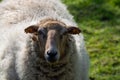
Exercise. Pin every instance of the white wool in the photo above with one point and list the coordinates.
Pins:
(15, 16)
(14, 11)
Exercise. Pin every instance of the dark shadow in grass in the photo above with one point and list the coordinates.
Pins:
(95, 10)
(91, 78)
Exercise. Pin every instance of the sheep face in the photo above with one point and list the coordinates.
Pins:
(52, 38)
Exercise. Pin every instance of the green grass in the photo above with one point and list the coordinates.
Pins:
(100, 23)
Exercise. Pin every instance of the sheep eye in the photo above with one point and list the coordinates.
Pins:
(42, 33)
(62, 36)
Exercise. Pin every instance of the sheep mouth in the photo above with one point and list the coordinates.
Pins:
(51, 59)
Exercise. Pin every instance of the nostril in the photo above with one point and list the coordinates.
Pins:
(51, 53)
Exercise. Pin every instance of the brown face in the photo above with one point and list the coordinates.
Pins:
(52, 38)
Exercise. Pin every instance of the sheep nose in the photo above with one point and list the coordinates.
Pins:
(51, 53)
(52, 56)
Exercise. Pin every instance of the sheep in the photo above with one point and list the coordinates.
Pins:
(40, 41)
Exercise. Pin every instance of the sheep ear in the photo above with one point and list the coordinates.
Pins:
(73, 30)
(31, 29)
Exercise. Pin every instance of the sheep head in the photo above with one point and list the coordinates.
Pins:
(52, 37)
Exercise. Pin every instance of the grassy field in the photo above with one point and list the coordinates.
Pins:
(100, 23)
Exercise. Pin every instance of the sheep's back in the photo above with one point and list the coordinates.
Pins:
(15, 11)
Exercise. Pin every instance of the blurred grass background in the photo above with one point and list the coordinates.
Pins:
(99, 21)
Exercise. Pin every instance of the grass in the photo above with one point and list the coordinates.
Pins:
(100, 23)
